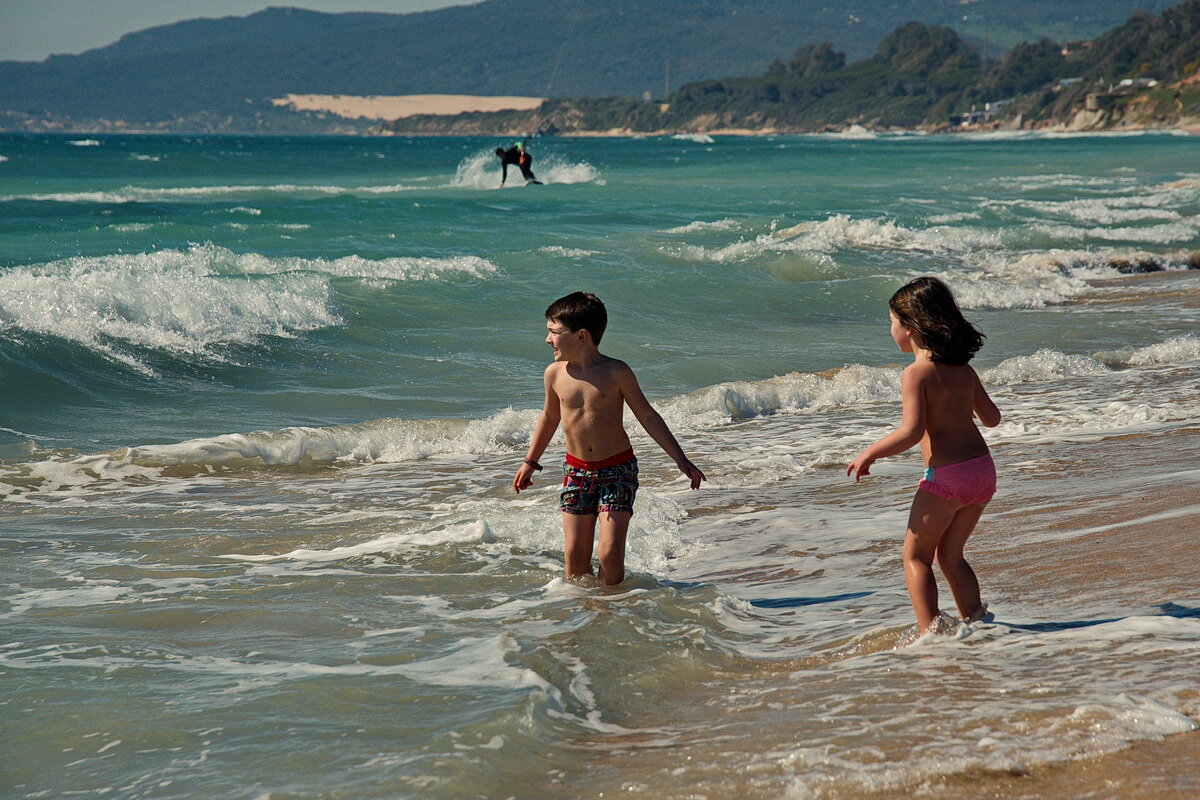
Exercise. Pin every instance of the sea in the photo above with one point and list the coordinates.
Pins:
(262, 400)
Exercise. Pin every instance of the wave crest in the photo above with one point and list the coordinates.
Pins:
(189, 301)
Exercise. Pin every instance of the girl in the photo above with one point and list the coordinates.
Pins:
(941, 395)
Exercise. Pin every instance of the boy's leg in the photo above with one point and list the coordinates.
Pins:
(579, 534)
(959, 575)
(614, 526)
(928, 520)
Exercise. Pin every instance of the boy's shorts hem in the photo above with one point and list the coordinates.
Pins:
(585, 512)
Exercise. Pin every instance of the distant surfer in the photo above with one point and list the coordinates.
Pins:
(518, 155)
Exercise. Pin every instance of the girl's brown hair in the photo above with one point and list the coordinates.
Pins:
(926, 305)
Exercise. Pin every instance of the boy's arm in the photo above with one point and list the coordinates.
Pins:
(543, 432)
(985, 410)
(912, 427)
(655, 425)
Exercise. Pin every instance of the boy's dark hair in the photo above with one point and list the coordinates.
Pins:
(926, 305)
(580, 311)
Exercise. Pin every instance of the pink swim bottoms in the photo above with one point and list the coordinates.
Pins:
(968, 482)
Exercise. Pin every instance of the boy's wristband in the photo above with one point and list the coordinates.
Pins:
(532, 463)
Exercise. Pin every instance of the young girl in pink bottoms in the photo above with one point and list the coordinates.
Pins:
(942, 398)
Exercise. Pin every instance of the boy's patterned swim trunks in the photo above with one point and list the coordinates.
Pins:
(590, 487)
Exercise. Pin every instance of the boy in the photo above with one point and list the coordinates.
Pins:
(586, 391)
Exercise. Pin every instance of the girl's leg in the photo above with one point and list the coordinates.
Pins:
(928, 520)
(579, 533)
(959, 575)
(614, 525)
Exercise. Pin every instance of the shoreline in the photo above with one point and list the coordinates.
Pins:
(748, 133)
(450, 116)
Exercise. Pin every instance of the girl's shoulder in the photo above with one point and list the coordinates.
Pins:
(927, 370)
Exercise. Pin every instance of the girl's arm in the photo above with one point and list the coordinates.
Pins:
(543, 432)
(656, 426)
(985, 410)
(912, 427)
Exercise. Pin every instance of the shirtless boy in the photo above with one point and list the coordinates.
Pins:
(586, 392)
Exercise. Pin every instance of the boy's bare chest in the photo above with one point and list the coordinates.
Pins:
(584, 394)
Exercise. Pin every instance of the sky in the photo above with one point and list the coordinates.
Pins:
(30, 30)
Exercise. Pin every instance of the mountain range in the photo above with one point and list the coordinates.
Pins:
(221, 74)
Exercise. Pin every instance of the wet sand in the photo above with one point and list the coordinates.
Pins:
(1164, 770)
(1132, 505)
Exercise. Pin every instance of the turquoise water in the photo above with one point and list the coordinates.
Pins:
(263, 397)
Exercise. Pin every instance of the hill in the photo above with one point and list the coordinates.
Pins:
(221, 74)
(920, 76)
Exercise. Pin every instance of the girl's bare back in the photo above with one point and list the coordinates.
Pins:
(952, 397)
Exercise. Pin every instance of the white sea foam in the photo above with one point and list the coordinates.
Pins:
(472, 532)
(841, 232)
(796, 394)
(1045, 364)
(954, 216)
(1091, 264)
(177, 307)
(1178, 350)
(387, 440)
(698, 138)
(1168, 233)
(698, 226)
(149, 194)
(793, 393)
(1104, 211)
(482, 171)
(566, 252)
(1018, 291)
(84, 143)
(133, 227)
(1048, 277)
(1026, 183)
(853, 132)
(188, 301)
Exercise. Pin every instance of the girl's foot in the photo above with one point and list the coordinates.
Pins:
(980, 614)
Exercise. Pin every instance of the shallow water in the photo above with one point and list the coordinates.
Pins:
(264, 397)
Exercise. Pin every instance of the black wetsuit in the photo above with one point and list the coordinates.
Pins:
(521, 158)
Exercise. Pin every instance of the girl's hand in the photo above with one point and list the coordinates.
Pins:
(861, 465)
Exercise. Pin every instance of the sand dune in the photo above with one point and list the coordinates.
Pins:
(405, 105)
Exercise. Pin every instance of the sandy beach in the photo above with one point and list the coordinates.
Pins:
(400, 106)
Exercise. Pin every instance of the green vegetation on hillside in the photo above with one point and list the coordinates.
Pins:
(920, 76)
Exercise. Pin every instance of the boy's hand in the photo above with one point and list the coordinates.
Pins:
(524, 478)
(692, 471)
(861, 465)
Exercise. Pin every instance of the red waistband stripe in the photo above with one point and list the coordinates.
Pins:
(611, 461)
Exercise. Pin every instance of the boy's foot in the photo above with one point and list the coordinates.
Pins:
(980, 614)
